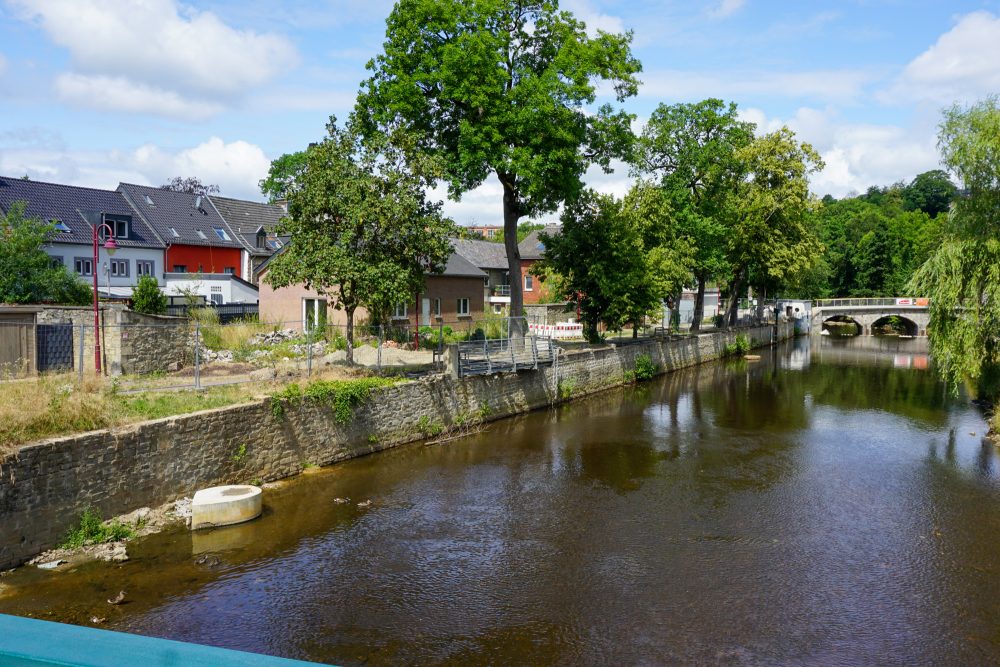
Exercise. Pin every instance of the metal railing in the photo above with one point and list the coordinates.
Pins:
(500, 290)
(513, 350)
(871, 302)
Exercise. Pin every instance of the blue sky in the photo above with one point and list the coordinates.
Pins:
(93, 92)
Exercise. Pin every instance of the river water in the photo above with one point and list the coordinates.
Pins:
(824, 506)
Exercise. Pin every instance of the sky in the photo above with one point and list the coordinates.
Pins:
(95, 92)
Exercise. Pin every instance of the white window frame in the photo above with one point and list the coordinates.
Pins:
(311, 320)
(83, 266)
(437, 307)
(462, 307)
(144, 267)
(119, 268)
(401, 311)
(121, 228)
(529, 282)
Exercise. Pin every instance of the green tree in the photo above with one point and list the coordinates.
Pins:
(27, 274)
(692, 149)
(147, 297)
(283, 175)
(499, 87)
(962, 277)
(362, 231)
(611, 256)
(931, 192)
(523, 229)
(770, 239)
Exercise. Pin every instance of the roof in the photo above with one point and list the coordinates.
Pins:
(176, 211)
(458, 266)
(64, 203)
(482, 254)
(532, 247)
(246, 217)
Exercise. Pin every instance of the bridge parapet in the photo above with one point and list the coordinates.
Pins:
(872, 302)
(867, 311)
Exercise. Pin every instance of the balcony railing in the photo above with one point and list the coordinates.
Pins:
(501, 290)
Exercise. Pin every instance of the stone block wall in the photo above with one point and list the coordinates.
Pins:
(45, 485)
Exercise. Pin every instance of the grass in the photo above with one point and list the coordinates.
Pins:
(340, 395)
(92, 529)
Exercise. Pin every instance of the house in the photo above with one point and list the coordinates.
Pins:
(451, 297)
(198, 240)
(486, 231)
(532, 249)
(217, 288)
(491, 259)
(140, 250)
(256, 226)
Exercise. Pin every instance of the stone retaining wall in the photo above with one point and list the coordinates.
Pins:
(45, 485)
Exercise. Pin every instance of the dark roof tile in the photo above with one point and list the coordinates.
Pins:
(166, 211)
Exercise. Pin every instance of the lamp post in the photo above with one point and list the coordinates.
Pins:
(98, 225)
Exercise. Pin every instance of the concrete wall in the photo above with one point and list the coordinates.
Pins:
(205, 285)
(68, 252)
(45, 485)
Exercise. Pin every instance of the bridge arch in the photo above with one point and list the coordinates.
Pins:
(899, 323)
(840, 324)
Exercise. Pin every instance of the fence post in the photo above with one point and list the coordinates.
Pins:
(81, 355)
(197, 355)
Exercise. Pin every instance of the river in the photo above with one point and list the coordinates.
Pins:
(826, 505)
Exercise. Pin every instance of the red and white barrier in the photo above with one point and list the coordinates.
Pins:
(563, 330)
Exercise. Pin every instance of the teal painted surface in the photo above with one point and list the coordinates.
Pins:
(27, 642)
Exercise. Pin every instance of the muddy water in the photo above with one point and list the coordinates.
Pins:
(824, 506)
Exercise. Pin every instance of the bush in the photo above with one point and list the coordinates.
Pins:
(645, 369)
(93, 530)
(148, 298)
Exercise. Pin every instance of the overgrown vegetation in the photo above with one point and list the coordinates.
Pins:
(645, 367)
(92, 529)
(148, 298)
(343, 396)
(739, 347)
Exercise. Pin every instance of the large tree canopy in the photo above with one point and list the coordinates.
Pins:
(692, 150)
(500, 87)
(962, 277)
(27, 274)
(362, 231)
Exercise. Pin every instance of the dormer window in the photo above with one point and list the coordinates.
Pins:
(201, 234)
(221, 233)
(261, 239)
(60, 225)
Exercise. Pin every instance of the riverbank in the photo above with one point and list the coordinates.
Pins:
(44, 486)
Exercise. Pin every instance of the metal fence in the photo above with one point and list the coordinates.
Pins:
(227, 312)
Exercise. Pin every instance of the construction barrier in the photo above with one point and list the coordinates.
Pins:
(563, 330)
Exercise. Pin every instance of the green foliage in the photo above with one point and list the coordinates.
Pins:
(501, 87)
(209, 329)
(962, 276)
(739, 347)
(619, 259)
(566, 389)
(283, 176)
(340, 395)
(523, 229)
(93, 530)
(645, 368)
(240, 455)
(27, 274)
(148, 298)
(362, 229)
(428, 427)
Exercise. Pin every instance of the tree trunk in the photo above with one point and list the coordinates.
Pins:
(511, 214)
(734, 301)
(349, 353)
(760, 303)
(699, 305)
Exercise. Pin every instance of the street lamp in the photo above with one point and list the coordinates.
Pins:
(97, 223)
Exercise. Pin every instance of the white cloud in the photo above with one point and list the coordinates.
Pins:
(184, 55)
(119, 94)
(595, 20)
(858, 155)
(235, 167)
(960, 65)
(844, 85)
(726, 8)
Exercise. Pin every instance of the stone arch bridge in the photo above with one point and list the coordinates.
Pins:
(867, 312)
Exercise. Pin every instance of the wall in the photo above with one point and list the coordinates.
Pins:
(45, 485)
(204, 259)
(231, 290)
(284, 306)
(69, 252)
(450, 289)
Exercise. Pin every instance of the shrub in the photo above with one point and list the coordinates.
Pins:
(93, 530)
(645, 369)
(148, 298)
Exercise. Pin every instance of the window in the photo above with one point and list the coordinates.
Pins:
(60, 225)
(173, 232)
(215, 294)
(497, 308)
(261, 238)
(119, 267)
(529, 283)
(143, 267)
(180, 268)
(201, 234)
(229, 271)
(55, 262)
(221, 233)
(463, 307)
(437, 307)
(83, 265)
(399, 312)
(313, 313)
(120, 227)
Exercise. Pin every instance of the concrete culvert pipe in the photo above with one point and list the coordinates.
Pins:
(225, 505)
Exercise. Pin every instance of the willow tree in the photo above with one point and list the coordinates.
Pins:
(770, 238)
(499, 87)
(691, 149)
(362, 231)
(962, 277)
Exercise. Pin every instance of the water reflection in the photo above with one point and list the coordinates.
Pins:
(822, 506)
